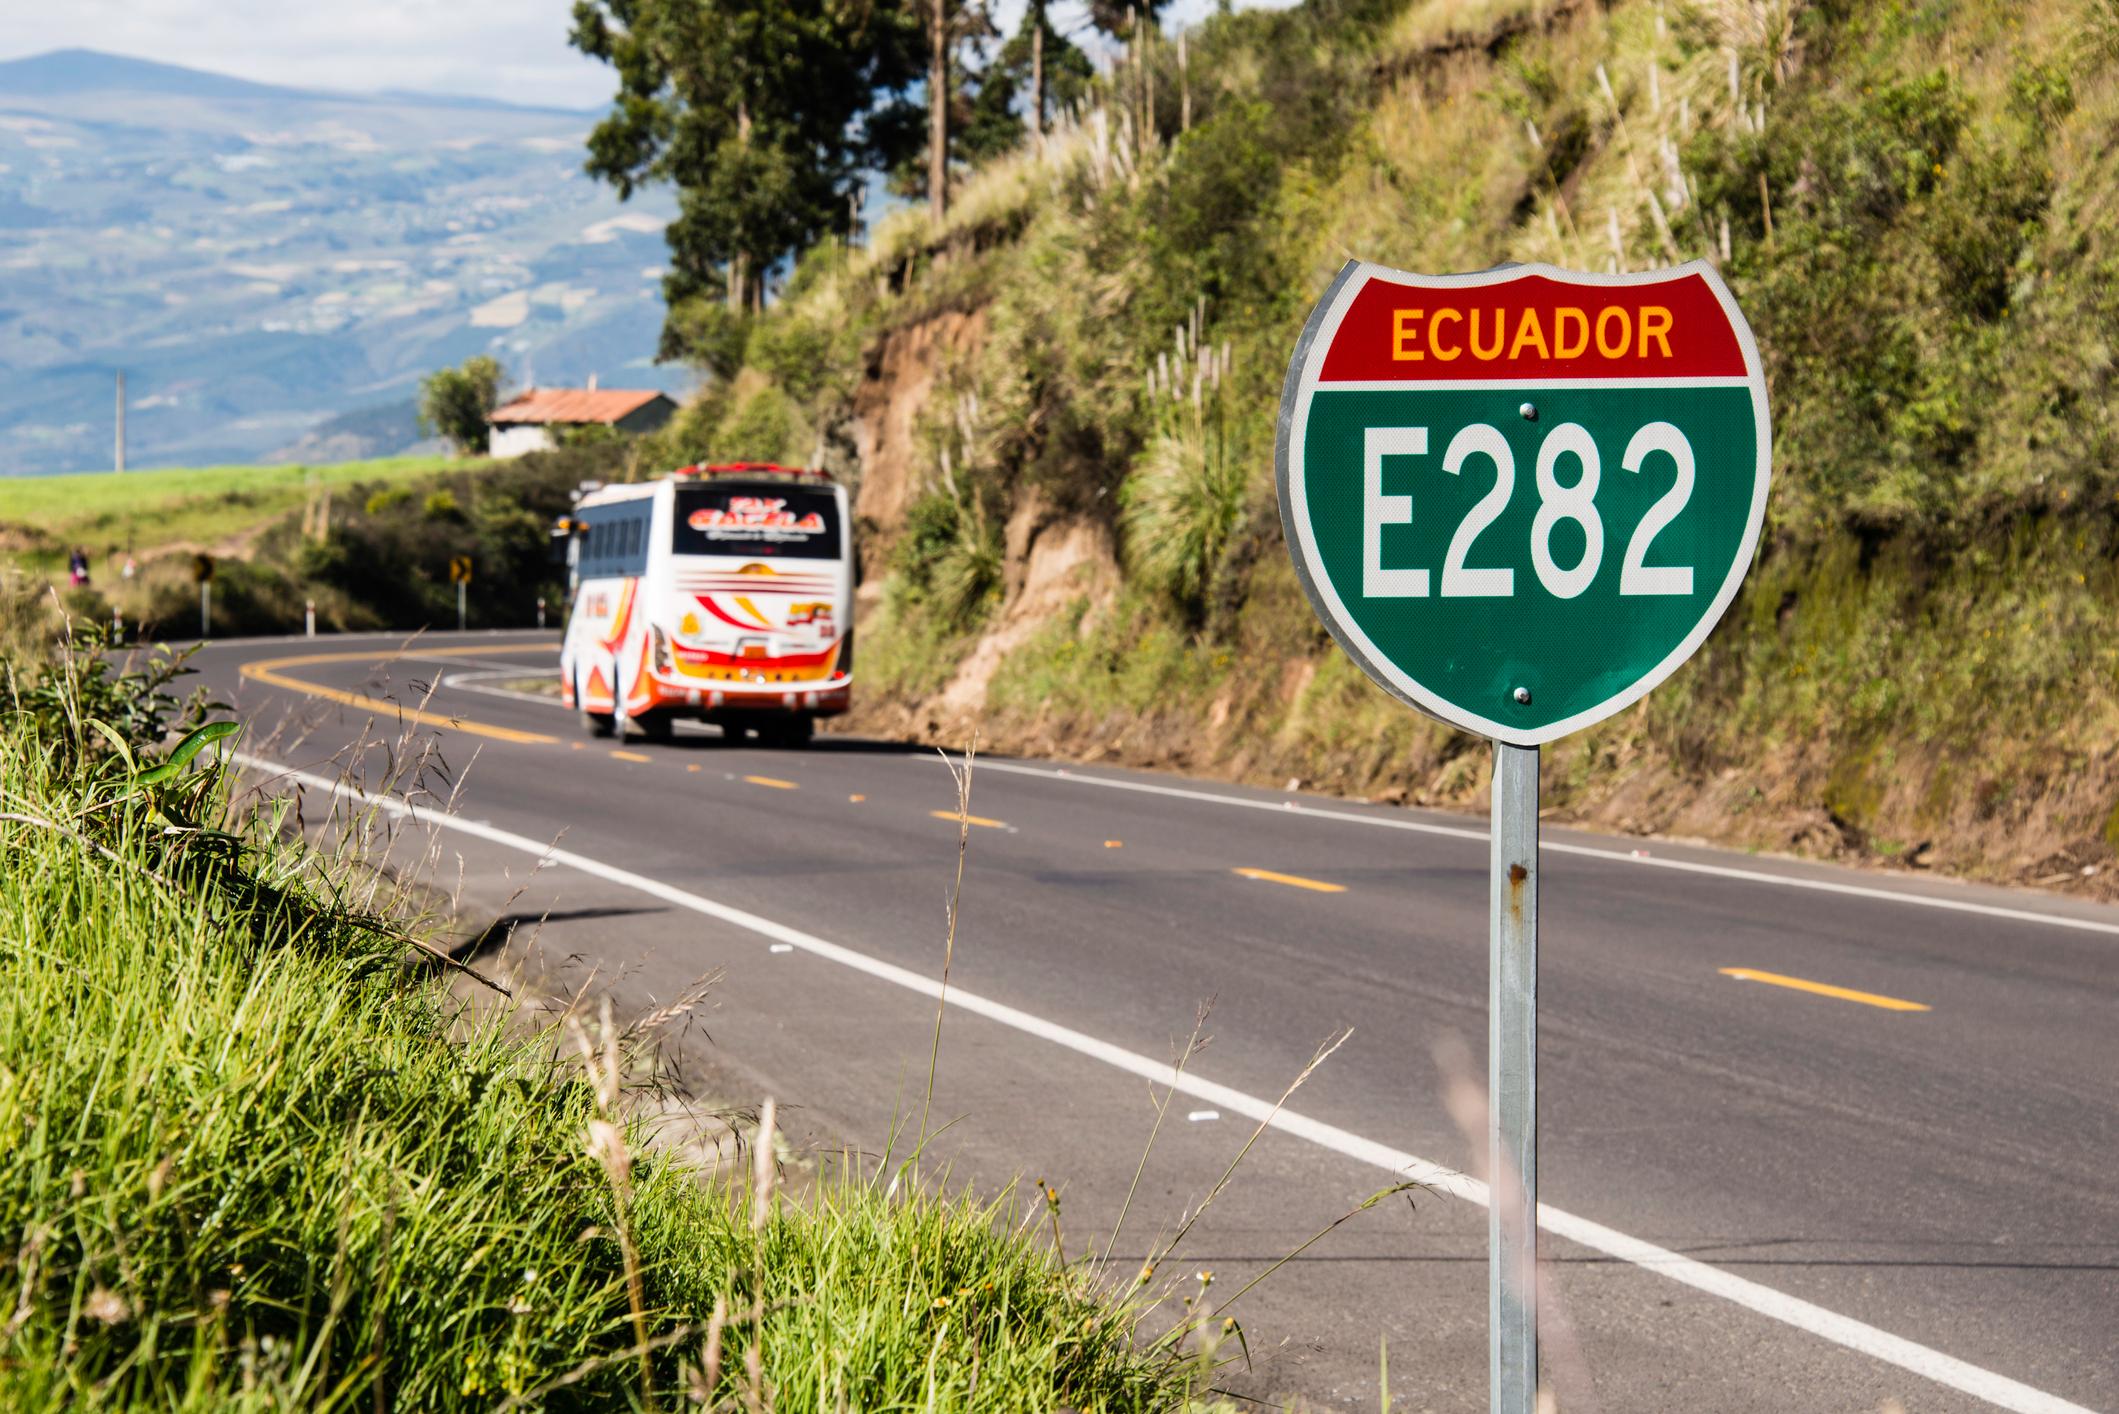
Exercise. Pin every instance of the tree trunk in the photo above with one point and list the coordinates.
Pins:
(938, 117)
(1149, 136)
(1184, 87)
(739, 263)
(1037, 70)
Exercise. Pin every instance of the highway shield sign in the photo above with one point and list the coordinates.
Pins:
(1520, 498)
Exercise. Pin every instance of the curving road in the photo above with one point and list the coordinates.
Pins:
(1812, 1140)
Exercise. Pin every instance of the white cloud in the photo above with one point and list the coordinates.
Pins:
(508, 49)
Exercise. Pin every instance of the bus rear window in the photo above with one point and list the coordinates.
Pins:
(759, 522)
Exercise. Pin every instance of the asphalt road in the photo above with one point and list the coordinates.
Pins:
(1934, 1188)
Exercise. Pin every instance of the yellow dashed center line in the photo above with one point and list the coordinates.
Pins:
(692, 766)
(1293, 881)
(773, 781)
(1114, 844)
(855, 799)
(629, 756)
(265, 672)
(952, 816)
(1823, 989)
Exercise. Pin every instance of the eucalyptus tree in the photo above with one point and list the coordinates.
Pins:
(764, 115)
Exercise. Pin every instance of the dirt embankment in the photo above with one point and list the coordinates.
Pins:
(1290, 714)
(896, 386)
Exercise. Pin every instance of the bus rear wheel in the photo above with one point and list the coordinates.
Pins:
(599, 723)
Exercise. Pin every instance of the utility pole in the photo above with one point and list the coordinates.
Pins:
(121, 422)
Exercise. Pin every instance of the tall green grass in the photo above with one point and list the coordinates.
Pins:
(258, 1156)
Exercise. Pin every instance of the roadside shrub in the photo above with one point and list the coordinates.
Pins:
(952, 561)
(1179, 509)
(796, 352)
(758, 431)
(248, 597)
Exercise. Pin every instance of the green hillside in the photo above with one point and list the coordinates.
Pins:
(1059, 405)
(147, 512)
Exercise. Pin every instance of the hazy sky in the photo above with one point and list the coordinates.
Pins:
(509, 49)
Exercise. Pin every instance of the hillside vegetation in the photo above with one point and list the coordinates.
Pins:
(1058, 405)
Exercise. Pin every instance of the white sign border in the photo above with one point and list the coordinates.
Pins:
(1300, 390)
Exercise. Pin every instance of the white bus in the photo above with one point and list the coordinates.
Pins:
(718, 593)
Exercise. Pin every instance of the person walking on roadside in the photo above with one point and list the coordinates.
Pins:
(77, 567)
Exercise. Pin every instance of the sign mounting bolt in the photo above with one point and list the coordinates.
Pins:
(1522, 694)
(1529, 411)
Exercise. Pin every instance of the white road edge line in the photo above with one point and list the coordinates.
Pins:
(468, 683)
(1684, 866)
(1790, 1310)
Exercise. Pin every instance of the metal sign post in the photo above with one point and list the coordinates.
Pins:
(460, 571)
(1519, 499)
(1512, 1070)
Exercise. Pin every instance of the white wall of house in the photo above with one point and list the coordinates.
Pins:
(513, 439)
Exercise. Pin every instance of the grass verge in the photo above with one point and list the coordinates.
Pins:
(259, 1156)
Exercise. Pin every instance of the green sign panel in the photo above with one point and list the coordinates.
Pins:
(1521, 498)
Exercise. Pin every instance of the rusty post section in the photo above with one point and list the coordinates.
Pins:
(1512, 1075)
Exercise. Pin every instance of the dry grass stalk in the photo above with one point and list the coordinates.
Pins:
(764, 1191)
(956, 899)
(1194, 1043)
(1464, 1099)
(708, 1373)
(605, 1140)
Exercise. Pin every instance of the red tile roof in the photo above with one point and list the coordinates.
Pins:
(574, 405)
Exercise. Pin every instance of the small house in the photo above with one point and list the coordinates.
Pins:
(537, 419)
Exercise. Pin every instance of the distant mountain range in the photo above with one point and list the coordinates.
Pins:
(273, 269)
